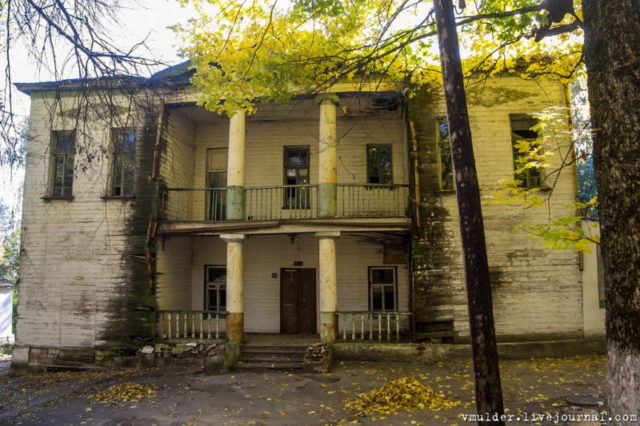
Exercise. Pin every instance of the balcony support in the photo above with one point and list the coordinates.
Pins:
(328, 157)
(328, 286)
(235, 167)
(234, 324)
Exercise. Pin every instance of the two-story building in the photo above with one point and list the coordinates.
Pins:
(148, 218)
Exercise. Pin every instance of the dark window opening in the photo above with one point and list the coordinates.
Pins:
(379, 164)
(296, 174)
(445, 162)
(124, 145)
(215, 288)
(64, 147)
(383, 289)
(521, 130)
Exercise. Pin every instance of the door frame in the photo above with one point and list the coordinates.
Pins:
(315, 299)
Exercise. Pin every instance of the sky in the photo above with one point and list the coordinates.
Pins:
(139, 19)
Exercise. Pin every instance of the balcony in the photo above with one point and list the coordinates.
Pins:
(286, 202)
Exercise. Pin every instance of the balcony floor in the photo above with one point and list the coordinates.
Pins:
(257, 227)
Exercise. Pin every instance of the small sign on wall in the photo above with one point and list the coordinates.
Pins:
(298, 263)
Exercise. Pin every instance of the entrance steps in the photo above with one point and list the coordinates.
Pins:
(271, 357)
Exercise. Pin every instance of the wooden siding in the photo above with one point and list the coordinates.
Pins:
(536, 292)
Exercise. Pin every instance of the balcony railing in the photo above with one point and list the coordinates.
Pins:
(190, 325)
(286, 202)
(372, 326)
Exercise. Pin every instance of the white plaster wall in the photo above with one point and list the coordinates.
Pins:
(593, 314)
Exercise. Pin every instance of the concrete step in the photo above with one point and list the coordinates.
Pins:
(269, 366)
(273, 349)
(270, 358)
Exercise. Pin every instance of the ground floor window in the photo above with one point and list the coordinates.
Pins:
(215, 297)
(383, 288)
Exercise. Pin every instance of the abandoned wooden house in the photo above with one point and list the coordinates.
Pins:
(148, 219)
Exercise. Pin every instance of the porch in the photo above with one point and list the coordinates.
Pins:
(282, 289)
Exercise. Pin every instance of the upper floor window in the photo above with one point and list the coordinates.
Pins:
(383, 289)
(445, 163)
(522, 134)
(379, 164)
(63, 152)
(124, 145)
(296, 173)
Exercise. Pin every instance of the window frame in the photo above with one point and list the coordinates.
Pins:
(367, 148)
(394, 285)
(115, 132)
(217, 286)
(301, 195)
(69, 161)
(439, 152)
(526, 175)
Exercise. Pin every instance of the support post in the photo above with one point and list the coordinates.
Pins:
(327, 157)
(235, 167)
(328, 286)
(234, 323)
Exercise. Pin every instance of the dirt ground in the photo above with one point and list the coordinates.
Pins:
(189, 397)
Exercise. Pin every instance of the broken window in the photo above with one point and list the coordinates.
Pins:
(124, 145)
(522, 139)
(215, 288)
(296, 175)
(63, 152)
(445, 162)
(379, 164)
(382, 288)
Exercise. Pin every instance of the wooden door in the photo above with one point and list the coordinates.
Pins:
(298, 301)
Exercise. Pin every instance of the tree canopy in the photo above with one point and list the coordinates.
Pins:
(244, 51)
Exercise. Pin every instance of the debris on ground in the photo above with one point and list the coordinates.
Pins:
(317, 351)
(124, 392)
(404, 394)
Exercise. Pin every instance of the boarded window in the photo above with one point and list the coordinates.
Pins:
(63, 152)
(382, 289)
(124, 146)
(445, 163)
(296, 175)
(379, 164)
(522, 135)
(215, 288)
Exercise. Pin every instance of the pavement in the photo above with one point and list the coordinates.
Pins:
(186, 396)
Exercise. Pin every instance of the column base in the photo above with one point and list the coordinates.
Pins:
(234, 327)
(328, 327)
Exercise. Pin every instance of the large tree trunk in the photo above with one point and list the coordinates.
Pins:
(612, 55)
(483, 336)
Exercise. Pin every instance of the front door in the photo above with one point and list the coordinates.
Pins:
(298, 301)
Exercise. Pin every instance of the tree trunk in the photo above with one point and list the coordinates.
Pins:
(483, 338)
(612, 55)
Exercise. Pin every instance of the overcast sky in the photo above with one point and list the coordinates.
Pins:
(140, 19)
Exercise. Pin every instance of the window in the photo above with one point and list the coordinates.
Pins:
(445, 163)
(64, 147)
(382, 289)
(296, 172)
(522, 135)
(379, 164)
(124, 145)
(215, 297)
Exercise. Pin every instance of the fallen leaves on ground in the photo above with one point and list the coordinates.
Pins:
(124, 392)
(403, 394)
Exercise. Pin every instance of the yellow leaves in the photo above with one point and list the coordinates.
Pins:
(124, 392)
(403, 394)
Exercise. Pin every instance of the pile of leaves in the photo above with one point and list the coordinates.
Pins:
(403, 394)
(124, 392)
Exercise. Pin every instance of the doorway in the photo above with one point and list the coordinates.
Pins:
(298, 301)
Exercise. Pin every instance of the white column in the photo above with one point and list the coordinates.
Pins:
(235, 166)
(234, 323)
(328, 286)
(327, 157)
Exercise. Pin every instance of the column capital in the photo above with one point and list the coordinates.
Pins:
(327, 98)
(328, 234)
(233, 238)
